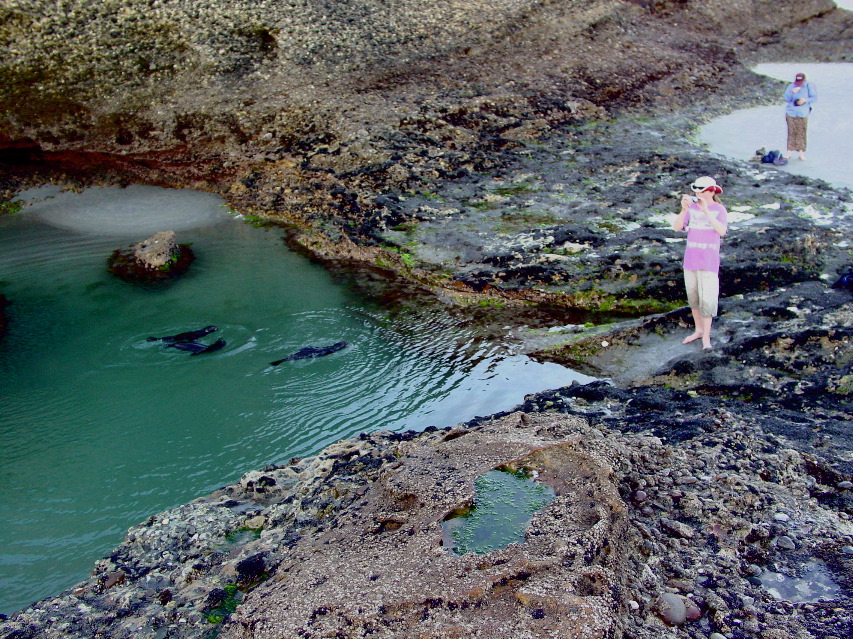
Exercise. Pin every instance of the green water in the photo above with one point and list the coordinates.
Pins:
(504, 504)
(101, 428)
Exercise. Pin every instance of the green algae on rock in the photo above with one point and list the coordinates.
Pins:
(503, 504)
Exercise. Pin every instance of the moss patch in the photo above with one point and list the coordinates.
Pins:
(10, 208)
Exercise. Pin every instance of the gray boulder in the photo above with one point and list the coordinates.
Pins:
(155, 260)
(158, 251)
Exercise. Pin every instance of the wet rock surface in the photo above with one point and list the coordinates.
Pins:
(517, 165)
(789, 348)
(592, 226)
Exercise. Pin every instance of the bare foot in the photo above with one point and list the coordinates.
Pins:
(802, 156)
(706, 344)
(692, 338)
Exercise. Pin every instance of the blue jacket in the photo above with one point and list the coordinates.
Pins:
(808, 92)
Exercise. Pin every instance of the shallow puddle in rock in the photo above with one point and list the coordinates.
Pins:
(815, 584)
(504, 504)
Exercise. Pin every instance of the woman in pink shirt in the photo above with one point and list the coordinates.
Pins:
(704, 218)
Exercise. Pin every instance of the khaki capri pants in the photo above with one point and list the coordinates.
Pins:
(703, 291)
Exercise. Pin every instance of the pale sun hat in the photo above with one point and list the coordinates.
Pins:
(705, 183)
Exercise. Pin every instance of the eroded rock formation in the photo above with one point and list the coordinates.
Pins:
(156, 259)
(205, 85)
(665, 507)
(387, 547)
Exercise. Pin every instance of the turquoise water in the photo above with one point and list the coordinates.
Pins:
(102, 428)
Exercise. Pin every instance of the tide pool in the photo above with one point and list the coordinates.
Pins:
(102, 428)
(830, 129)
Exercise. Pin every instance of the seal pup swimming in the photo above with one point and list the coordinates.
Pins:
(196, 348)
(311, 351)
(189, 336)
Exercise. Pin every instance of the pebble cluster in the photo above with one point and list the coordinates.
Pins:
(721, 501)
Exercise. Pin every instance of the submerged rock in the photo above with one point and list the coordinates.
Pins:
(3, 321)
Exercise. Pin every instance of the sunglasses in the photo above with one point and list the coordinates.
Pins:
(698, 189)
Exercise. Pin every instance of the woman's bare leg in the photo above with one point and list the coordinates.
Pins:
(700, 329)
(706, 332)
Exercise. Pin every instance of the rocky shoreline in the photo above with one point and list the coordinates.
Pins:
(656, 498)
(690, 482)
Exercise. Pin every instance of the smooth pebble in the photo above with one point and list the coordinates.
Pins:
(785, 543)
(672, 609)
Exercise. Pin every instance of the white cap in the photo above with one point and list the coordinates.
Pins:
(706, 183)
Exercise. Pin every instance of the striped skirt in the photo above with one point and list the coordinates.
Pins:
(797, 133)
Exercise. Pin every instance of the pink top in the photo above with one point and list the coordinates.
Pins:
(703, 242)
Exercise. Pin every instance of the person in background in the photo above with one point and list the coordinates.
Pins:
(705, 219)
(799, 97)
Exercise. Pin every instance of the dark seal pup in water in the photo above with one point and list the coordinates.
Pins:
(195, 348)
(311, 351)
(189, 336)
